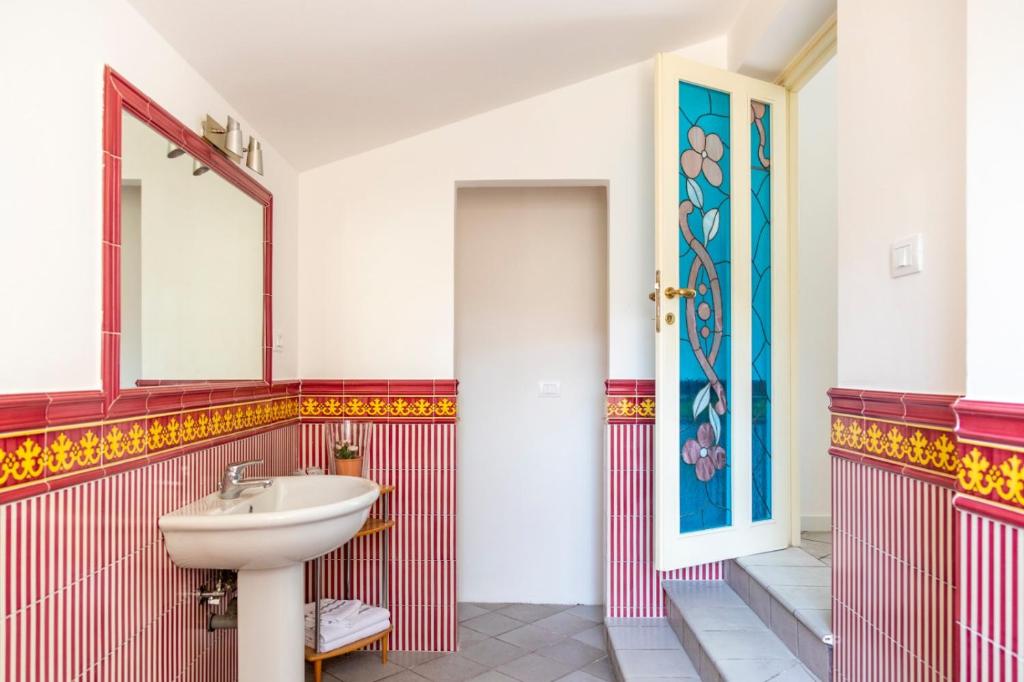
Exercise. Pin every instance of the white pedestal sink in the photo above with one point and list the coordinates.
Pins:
(266, 534)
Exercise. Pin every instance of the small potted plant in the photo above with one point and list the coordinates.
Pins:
(348, 461)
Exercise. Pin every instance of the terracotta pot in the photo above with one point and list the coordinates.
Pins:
(349, 467)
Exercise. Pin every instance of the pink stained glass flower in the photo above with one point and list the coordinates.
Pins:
(705, 153)
(703, 453)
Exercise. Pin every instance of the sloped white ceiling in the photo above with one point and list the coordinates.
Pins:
(325, 79)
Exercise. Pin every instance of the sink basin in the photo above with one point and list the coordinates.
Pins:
(266, 534)
(296, 519)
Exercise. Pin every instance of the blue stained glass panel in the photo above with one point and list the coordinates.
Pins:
(704, 329)
(761, 309)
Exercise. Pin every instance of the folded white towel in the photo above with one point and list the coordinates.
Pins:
(349, 637)
(333, 611)
(366, 617)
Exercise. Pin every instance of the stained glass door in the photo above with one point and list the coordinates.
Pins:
(722, 473)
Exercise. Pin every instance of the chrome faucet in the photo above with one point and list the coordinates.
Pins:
(232, 484)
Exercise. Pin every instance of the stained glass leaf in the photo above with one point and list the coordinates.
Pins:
(695, 194)
(701, 402)
(710, 225)
(716, 424)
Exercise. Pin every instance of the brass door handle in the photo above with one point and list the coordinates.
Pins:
(672, 292)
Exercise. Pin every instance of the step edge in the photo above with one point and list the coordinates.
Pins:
(826, 635)
(702, 646)
(613, 652)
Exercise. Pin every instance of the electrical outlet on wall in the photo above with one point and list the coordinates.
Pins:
(906, 256)
(550, 389)
(278, 342)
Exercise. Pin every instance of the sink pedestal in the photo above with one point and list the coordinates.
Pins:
(271, 625)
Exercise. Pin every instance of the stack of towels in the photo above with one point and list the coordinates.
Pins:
(343, 622)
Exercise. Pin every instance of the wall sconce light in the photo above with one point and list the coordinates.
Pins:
(254, 156)
(228, 139)
(198, 168)
(173, 150)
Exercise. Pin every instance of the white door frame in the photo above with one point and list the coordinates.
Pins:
(811, 58)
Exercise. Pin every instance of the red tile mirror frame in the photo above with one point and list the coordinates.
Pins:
(121, 96)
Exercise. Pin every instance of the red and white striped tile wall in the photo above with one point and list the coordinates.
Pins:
(991, 608)
(89, 592)
(894, 575)
(633, 587)
(419, 460)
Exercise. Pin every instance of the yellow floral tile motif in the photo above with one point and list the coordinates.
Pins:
(1006, 480)
(626, 408)
(929, 448)
(34, 456)
(402, 407)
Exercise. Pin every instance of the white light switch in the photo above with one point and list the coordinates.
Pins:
(906, 256)
(550, 389)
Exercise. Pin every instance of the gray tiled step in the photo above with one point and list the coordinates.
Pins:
(790, 591)
(645, 650)
(725, 639)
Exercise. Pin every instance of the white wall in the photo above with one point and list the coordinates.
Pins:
(377, 229)
(816, 294)
(51, 75)
(995, 200)
(901, 171)
(529, 475)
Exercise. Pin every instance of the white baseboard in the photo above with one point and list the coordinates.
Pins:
(815, 523)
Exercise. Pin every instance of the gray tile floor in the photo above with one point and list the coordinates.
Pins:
(498, 643)
(818, 545)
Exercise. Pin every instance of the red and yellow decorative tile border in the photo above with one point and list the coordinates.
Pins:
(49, 441)
(991, 439)
(629, 401)
(51, 455)
(629, 409)
(927, 448)
(418, 400)
(976, 446)
(380, 407)
(999, 479)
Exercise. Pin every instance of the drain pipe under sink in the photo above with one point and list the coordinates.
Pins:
(224, 621)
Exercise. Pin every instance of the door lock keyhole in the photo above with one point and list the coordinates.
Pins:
(670, 318)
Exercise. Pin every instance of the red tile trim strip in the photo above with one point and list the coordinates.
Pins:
(989, 423)
(997, 512)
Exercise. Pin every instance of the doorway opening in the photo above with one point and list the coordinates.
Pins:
(531, 350)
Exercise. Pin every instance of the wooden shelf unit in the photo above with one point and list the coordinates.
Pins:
(373, 526)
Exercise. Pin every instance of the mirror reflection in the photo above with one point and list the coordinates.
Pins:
(191, 268)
